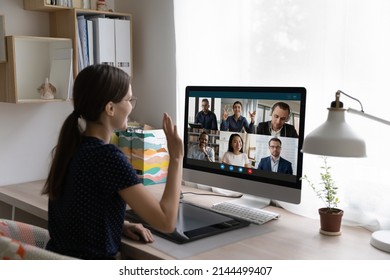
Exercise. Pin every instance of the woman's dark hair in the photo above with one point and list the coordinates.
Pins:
(94, 87)
(230, 149)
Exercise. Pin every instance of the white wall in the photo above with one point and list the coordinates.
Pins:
(154, 81)
(28, 132)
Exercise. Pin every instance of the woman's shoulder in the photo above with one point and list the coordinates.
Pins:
(227, 153)
(99, 148)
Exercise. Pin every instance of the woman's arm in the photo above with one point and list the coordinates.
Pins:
(162, 214)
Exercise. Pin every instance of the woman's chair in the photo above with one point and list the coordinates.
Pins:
(25, 242)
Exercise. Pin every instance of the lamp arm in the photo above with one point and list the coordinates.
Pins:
(354, 111)
(361, 113)
(341, 92)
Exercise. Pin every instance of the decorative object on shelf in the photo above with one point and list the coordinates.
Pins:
(336, 138)
(330, 216)
(101, 5)
(86, 4)
(47, 90)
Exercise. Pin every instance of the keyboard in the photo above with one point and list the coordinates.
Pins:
(250, 214)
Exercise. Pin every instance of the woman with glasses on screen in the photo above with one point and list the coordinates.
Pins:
(90, 180)
(235, 154)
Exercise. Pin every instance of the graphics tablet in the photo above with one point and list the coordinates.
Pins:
(193, 223)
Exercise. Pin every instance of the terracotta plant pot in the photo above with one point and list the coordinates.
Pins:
(330, 221)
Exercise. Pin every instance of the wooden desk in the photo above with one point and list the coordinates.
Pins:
(24, 203)
(291, 237)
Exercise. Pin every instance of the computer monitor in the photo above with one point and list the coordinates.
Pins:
(267, 106)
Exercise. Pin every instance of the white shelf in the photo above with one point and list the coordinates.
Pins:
(30, 62)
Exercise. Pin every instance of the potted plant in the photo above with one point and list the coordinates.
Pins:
(330, 215)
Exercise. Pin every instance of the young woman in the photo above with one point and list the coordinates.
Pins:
(90, 181)
(235, 154)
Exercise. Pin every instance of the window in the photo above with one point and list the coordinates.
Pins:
(321, 45)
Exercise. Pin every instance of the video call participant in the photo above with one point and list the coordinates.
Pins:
(201, 151)
(237, 122)
(235, 154)
(206, 117)
(90, 180)
(275, 162)
(277, 126)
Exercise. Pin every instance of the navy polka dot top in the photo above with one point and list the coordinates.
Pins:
(86, 221)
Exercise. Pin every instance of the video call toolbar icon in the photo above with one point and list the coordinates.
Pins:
(239, 168)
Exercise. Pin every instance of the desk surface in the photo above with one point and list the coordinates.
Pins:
(290, 237)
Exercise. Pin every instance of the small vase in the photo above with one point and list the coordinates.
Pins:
(101, 5)
(330, 221)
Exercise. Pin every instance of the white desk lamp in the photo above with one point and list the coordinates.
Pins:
(336, 138)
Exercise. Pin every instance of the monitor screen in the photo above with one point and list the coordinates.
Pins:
(245, 139)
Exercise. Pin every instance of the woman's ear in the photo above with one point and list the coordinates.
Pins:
(110, 109)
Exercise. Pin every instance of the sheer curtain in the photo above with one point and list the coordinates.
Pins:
(323, 45)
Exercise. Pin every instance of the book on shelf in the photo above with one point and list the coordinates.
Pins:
(82, 28)
(80, 60)
(90, 41)
(63, 3)
(122, 45)
(104, 37)
(104, 40)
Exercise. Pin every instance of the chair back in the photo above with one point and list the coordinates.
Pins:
(25, 242)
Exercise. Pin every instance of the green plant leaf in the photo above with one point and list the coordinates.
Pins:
(326, 190)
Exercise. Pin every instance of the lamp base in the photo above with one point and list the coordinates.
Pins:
(381, 240)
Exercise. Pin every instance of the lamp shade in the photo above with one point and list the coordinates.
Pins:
(334, 138)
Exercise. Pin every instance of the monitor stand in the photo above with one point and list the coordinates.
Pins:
(243, 199)
(251, 201)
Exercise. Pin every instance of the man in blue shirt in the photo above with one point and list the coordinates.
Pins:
(236, 122)
(206, 117)
(201, 151)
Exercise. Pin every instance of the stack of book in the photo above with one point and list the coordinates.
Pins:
(103, 40)
(64, 3)
(83, 4)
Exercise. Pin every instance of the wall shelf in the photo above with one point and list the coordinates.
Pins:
(30, 61)
(63, 24)
(42, 5)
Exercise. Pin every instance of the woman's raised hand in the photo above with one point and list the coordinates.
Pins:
(175, 143)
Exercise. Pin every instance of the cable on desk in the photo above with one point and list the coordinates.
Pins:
(213, 194)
